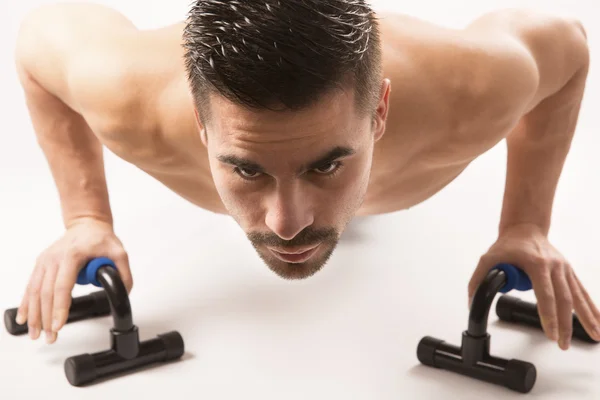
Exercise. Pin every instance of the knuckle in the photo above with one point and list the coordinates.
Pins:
(33, 291)
(539, 261)
(566, 299)
(565, 332)
(577, 295)
(120, 254)
(73, 253)
(545, 274)
(42, 257)
(47, 294)
(485, 260)
(548, 293)
(545, 316)
(560, 265)
(551, 323)
(61, 289)
(33, 318)
(548, 318)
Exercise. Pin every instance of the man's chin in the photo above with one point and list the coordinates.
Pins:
(301, 270)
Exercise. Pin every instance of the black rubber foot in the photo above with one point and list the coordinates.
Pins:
(173, 345)
(520, 375)
(80, 369)
(426, 350)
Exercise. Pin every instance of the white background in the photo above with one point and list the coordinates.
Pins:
(350, 332)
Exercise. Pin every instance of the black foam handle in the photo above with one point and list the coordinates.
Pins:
(84, 307)
(513, 309)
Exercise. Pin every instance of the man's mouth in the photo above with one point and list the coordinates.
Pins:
(295, 255)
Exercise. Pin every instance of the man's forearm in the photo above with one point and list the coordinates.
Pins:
(74, 155)
(537, 150)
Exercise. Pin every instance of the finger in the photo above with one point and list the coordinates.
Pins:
(544, 292)
(63, 287)
(122, 263)
(33, 313)
(582, 307)
(564, 306)
(23, 309)
(587, 297)
(47, 301)
(591, 304)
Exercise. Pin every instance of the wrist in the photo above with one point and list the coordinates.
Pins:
(89, 218)
(522, 227)
(86, 203)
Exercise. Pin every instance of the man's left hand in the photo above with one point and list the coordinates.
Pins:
(555, 284)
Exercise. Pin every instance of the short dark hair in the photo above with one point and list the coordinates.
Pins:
(282, 54)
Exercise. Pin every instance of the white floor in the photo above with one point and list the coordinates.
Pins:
(351, 332)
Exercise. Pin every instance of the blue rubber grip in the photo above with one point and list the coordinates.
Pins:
(516, 278)
(87, 275)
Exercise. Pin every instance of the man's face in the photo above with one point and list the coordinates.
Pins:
(292, 181)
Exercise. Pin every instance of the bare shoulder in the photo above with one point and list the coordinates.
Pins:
(541, 50)
(496, 69)
(87, 55)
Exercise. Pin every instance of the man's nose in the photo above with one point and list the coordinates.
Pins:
(288, 213)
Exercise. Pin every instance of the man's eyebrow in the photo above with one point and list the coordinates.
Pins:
(331, 155)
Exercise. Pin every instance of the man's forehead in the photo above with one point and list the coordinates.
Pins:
(300, 145)
(329, 113)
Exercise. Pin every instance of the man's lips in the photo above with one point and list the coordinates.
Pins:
(294, 255)
(296, 250)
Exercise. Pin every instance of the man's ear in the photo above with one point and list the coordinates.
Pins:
(381, 114)
(201, 128)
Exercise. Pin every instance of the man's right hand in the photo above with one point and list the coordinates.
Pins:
(45, 305)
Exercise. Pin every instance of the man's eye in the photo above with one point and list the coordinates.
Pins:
(246, 173)
(328, 168)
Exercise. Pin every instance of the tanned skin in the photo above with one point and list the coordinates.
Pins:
(93, 80)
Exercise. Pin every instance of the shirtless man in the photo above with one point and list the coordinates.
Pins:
(274, 113)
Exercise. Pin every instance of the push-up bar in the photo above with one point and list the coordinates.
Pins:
(126, 352)
(473, 357)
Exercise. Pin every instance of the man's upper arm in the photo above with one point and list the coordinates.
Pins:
(67, 49)
(526, 56)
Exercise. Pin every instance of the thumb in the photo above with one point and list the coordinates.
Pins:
(485, 264)
(121, 260)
